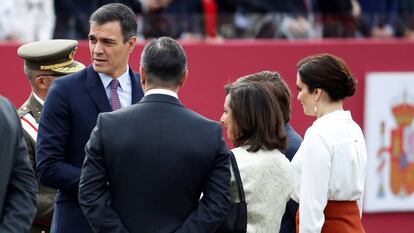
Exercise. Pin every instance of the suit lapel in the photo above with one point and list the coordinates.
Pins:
(96, 90)
(136, 87)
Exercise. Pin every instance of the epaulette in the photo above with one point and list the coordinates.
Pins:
(23, 111)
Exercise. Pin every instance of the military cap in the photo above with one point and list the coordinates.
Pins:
(51, 55)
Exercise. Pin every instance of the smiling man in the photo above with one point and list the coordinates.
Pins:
(73, 104)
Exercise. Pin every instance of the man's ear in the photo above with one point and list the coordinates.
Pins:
(131, 43)
(143, 78)
(142, 74)
(183, 78)
(41, 82)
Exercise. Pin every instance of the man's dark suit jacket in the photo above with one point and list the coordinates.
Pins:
(18, 185)
(68, 117)
(147, 165)
(288, 224)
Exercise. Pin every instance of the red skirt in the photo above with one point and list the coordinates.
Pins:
(340, 217)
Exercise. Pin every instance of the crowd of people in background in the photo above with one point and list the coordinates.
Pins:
(29, 20)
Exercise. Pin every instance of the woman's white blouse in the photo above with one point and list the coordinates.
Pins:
(267, 182)
(331, 164)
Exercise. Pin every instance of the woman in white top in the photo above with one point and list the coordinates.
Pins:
(330, 166)
(255, 125)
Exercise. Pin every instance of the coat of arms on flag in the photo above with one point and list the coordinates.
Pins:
(389, 130)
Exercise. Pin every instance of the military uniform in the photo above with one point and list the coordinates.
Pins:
(55, 57)
(29, 113)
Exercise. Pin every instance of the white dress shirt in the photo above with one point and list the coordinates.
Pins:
(267, 182)
(331, 164)
(42, 102)
(161, 91)
(124, 89)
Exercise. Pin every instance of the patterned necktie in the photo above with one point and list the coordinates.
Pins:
(115, 103)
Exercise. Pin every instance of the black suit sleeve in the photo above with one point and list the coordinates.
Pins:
(52, 145)
(20, 198)
(94, 194)
(215, 202)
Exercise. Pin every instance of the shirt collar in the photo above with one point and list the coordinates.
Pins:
(123, 79)
(42, 102)
(161, 91)
(335, 115)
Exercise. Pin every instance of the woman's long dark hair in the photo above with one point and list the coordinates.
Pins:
(258, 119)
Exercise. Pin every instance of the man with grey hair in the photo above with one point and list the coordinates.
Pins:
(153, 161)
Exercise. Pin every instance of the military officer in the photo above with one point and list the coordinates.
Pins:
(44, 61)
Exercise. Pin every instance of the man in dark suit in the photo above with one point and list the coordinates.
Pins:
(146, 166)
(18, 185)
(73, 104)
(282, 93)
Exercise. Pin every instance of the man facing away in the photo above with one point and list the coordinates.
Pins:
(44, 61)
(146, 166)
(18, 185)
(282, 93)
(73, 104)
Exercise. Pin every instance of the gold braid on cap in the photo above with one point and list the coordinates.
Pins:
(68, 70)
(55, 66)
